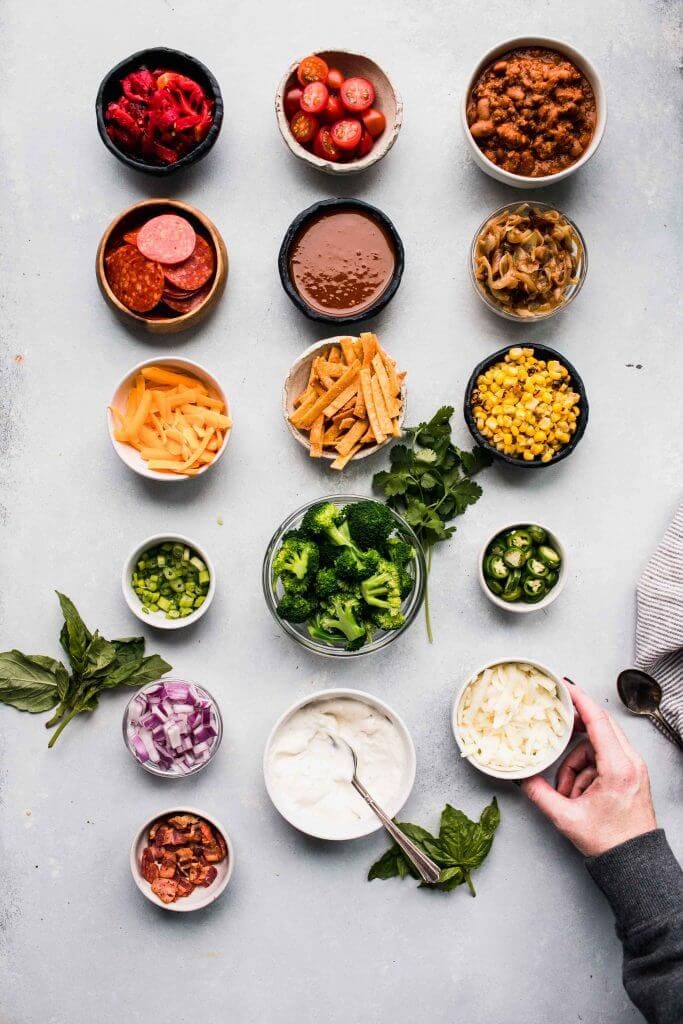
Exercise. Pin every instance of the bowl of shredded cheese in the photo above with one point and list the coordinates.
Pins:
(513, 718)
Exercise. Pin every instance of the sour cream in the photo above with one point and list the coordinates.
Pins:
(309, 777)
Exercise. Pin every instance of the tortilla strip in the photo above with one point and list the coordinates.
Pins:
(369, 343)
(351, 437)
(326, 400)
(343, 459)
(348, 350)
(392, 403)
(366, 386)
(316, 438)
(383, 417)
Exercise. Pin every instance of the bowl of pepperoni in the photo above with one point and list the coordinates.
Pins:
(162, 264)
(338, 111)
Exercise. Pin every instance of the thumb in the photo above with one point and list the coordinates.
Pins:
(547, 799)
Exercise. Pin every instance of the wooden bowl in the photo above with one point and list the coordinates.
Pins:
(133, 217)
(388, 100)
(296, 382)
(131, 456)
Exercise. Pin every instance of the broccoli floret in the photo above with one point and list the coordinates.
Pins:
(343, 613)
(294, 535)
(355, 565)
(295, 608)
(326, 583)
(387, 620)
(293, 585)
(383, 590)
(399, 551)
(355, 645)
(327, 520)
(316, 631)
(297, 558)
(370, 523)
(407, 583)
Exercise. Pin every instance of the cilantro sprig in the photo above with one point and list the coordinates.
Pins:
(461, 846)
(430, 483)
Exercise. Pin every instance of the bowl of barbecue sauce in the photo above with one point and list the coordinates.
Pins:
(341, 261)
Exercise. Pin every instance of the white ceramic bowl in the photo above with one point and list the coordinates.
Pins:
(387, 100)
(158, 619)
(199, 897)
(130, 455)
(296, 382)
(583, 64)
(521, 607)
(522, 773)
(363, 828)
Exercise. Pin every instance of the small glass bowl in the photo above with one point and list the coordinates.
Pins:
(298, 631)
(570, 293)
(162, 772)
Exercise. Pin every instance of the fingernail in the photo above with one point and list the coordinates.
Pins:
(570, 681)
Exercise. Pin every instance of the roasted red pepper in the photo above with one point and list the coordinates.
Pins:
(160, 116)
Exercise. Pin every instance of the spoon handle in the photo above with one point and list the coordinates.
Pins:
(428, 870)
(657, 716)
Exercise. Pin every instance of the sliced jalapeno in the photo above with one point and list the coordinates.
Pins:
(535, 567)
(497, 548)
(513, 581)
(533, 588)
(512, 595)
(495, 587)
(495, 567)
(549, 556)
(514, 558)
(520, 539)
(551, 579)
(537, 534)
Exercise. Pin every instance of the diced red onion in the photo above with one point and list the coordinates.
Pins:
(173, 725)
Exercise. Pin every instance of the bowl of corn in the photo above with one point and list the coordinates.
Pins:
(526, 406)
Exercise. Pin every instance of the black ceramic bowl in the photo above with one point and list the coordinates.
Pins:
(173, 60)
(330, 206)
(545, 353)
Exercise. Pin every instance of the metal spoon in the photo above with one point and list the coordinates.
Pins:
(428, 870)
(642, 695)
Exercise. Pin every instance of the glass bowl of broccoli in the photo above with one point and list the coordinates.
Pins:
(344, 575)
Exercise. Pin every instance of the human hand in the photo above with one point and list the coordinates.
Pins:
(603, 788)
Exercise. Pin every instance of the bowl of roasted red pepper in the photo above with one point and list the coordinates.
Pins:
(338, 111)
(159, 110)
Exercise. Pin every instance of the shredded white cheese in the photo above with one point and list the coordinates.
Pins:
(511, 717)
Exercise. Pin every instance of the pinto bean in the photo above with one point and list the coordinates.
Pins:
(482, 129)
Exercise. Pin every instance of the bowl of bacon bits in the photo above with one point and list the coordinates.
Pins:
(338, 111)
(162, 264)
(159, 110)
(182, 859)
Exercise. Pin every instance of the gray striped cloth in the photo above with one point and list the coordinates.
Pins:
(659, 623)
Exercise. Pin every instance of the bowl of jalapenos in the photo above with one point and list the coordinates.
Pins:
(522, 568)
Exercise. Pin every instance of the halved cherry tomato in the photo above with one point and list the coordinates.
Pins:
(292, 102)
(357, 94)
(314, 98)
(347, 133)
(303, 126)
(312, 69)
(365, 145)
(374, 121)
(335, 79)
(324, 146)
(334, 110)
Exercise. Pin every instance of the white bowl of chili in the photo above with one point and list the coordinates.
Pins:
(534, 160)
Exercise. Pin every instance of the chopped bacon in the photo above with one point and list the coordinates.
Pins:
(166, 889)
(181, 856)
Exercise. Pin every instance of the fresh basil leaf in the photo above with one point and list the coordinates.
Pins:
(30, 682)
(451, 878)
(150, 669)
(75, 635)
(129, 648)
(99, 655)
(386, 866)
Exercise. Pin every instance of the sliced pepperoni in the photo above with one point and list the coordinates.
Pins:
(167, 239)
(189, 304)
(135, 281)
(196, 270)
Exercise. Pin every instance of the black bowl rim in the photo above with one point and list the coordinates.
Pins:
(577, 383)
(141, 57)
(293, 230)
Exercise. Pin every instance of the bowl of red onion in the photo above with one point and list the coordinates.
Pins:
(172, 728)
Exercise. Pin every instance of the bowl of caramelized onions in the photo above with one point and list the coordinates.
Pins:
(528, 261)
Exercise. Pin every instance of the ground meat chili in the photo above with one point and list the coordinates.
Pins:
(532, 112)
(342, 262)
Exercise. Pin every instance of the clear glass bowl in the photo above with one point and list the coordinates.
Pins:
(570, 293)
(149, 766)
(298, 631)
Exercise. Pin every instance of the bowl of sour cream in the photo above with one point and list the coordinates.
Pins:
(308, 777)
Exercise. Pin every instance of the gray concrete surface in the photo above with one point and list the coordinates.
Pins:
(300, 936)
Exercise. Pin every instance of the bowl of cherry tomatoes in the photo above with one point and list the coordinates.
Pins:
(338, 111)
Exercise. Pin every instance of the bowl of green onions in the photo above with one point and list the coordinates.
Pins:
(168, 581)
